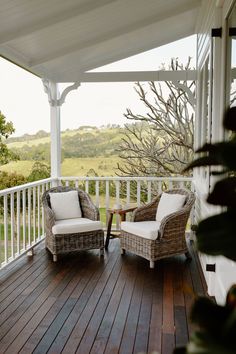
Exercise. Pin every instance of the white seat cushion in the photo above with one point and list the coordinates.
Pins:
(77, 225)
(168, 204)
(65, 205)
(145, 229)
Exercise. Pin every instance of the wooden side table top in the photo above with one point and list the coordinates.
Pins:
(122, 212)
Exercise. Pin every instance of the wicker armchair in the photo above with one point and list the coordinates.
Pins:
(170, 235)
(58, 243)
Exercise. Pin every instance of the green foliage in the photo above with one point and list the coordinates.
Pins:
(8, 180)
(216, 236)
(39, 171)
(6, 129)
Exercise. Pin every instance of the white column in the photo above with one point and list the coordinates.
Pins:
(56, 100)
(55, 125)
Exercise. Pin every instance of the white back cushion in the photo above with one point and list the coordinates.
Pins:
(65, 205)
(169, 203)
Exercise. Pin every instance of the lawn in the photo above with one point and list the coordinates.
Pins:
(104, 166)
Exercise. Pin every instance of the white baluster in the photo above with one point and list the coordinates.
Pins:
(5, 221)
(29, 217)
(107, 199)
(117, 202)
(76, 183)
(12, 225)
(149, 190)
(18, 221)
(34, 214)
(159, 187)
(97, 193)
(127, 192)
(39, 209)
(23, 218)
(107, 194)
(43, 189)
(138, 192)
(87, 186)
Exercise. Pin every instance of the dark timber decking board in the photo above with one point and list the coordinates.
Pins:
(83, 304)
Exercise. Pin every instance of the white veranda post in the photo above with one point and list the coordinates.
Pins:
(55, 125)
(56, 100)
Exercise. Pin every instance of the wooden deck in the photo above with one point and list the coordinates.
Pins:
(86, 305)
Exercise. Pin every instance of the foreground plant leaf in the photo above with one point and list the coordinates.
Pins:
(214, 321)
(216, 235)
(202, 161)
(224, 193)
(202, 343)
(218, 154)
(229, 330)
(229, 121)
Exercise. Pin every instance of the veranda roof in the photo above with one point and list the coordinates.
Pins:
(61, 39)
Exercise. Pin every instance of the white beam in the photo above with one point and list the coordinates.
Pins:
(131, 76)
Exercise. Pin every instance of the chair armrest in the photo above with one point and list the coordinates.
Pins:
(146, 212)
(174, 224)
(48, 216)
(89, 210)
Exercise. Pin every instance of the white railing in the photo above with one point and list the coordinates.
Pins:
(22, 218)
(127, 191)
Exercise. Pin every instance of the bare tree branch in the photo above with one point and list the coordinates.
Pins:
(160, 142)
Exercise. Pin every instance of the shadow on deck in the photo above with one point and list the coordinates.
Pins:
(86, 305)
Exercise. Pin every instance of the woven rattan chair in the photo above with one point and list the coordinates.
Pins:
(62, 243)
(170, 235)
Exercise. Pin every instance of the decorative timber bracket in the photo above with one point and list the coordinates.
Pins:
(57, 102)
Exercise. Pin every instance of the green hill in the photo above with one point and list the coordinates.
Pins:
(83, 142)
(83, 150)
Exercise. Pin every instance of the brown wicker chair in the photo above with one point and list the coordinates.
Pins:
(62, 243)
(171, 235)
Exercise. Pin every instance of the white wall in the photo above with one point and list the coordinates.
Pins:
(213, 15)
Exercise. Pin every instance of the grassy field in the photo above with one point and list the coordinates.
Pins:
(104, 166)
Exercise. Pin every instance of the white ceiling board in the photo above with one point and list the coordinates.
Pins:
(60, 39)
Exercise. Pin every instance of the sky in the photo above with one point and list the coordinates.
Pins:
(24, 102)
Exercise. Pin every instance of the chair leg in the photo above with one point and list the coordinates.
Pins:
(188, 255)
(152, 264)
(122, 251)
(101, 252)
(54, 258)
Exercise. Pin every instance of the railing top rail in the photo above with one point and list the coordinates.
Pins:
(25, 186)
(116, 178)
(85, 178)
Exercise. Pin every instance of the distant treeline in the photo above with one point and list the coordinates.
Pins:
(84, 142)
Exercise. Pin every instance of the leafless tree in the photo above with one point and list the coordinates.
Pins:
(160, 142)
